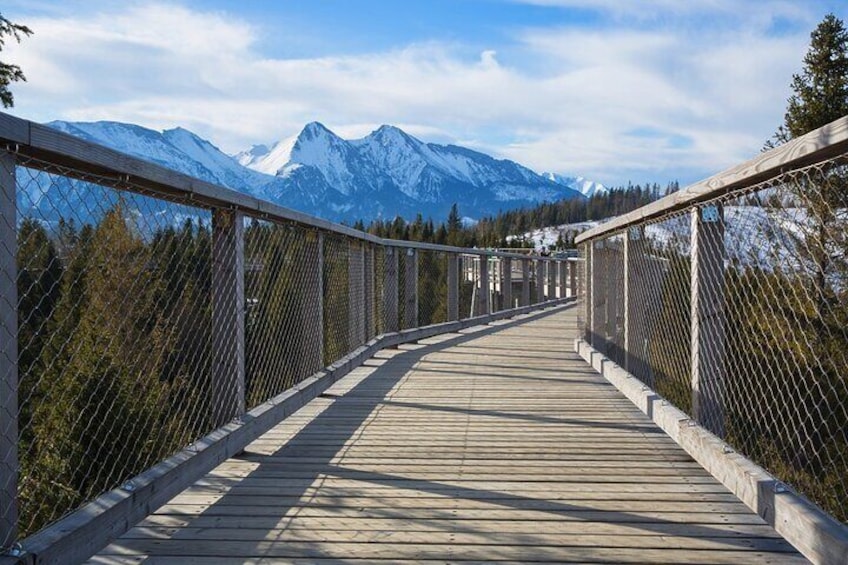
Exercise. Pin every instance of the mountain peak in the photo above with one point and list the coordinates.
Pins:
(314, 130)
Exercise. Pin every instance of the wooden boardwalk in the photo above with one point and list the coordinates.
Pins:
(497, 444)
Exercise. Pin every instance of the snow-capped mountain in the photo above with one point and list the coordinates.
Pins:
(584, 186)
(384, 174)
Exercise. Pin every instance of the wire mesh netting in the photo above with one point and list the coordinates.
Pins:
(432, 287)
(282, 302)
(772, 335)
(145, 322)
(115, 318)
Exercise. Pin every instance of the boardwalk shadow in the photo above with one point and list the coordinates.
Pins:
(345, 416)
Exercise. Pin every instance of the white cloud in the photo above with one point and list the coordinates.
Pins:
(615, 103)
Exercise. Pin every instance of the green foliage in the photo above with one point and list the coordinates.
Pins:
(10, 73)
(820, 91)
(492, 231)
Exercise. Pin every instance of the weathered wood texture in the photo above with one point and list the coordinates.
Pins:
(8, 354)
(708, 317)
(816, 534)
(540, 280)
(525, 282)
(484, 290)
(228, 312)
(492, 444)
(818, 145)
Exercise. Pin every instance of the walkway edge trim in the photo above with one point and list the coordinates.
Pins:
(816, 534)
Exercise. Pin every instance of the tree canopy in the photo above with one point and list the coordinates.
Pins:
(10, 73)
(820, 90)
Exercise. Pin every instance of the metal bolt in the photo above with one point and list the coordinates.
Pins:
(128, 486)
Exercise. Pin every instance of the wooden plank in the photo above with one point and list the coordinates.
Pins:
(812, 531)
(616, 550)
(821, 144)
(410, 463)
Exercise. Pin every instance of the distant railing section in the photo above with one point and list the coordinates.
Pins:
(141, 309)
(730, 299)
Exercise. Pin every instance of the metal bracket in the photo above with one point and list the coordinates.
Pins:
(710, 214)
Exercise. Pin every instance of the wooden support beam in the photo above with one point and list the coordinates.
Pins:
(228, 313)
(506, 284)
(572, 278)
(390, 290)
(525, 282)
(370, 330)
(550, 267)
(634, 309)
(562, 270)
(9, 467)
(454, 267)
(591, 279)
(483, 302)
(708, 317)
(411, 290)
(540, 280)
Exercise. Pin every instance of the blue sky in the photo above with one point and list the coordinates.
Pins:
(613, 90)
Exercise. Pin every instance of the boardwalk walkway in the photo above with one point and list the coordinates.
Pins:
(498, 444)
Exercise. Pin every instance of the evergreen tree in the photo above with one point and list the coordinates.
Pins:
(10, 73)
(820, 91)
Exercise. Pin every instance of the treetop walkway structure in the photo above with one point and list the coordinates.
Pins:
(189, 373)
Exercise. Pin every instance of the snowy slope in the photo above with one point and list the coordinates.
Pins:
(177, 149)
(584, 186)
(384, 174)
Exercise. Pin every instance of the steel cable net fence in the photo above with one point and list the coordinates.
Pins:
(338, 336)
(282, 307)
(115, 344)
(779, 374)
(432, 287)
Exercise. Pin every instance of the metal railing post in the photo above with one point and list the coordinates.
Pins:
(390, 290)
(411, 291)
(228, 312)
(454, 266)
(540, 280)
(708, 317)
(525, 282)
(506, 284)
(9, 468)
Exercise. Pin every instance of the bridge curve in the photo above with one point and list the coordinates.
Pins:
(496, 443)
